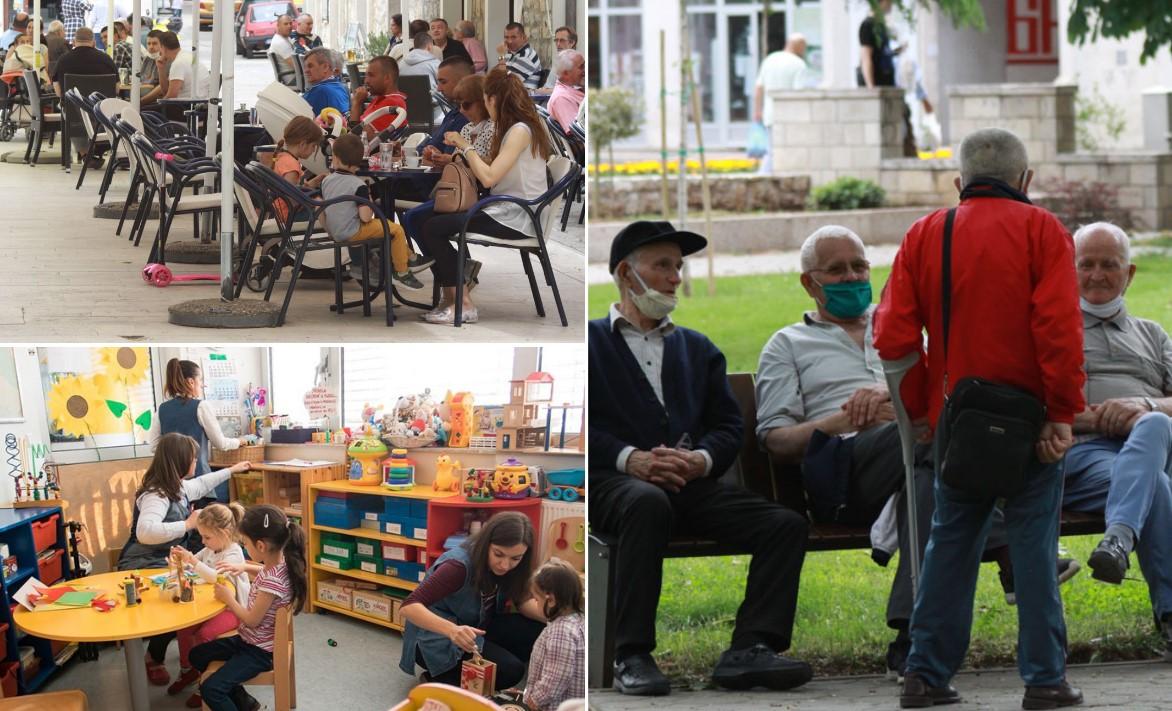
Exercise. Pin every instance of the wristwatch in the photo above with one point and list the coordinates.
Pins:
(1151, 404)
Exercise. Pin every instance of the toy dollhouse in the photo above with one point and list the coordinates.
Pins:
(524, 427)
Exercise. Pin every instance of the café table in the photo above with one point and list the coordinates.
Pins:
(422, 180)
(152, 616)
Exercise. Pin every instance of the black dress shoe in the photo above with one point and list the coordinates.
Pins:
(1109, 561)
(917, 694)
(639, 676)
(1166, 633)
(759, 666)
(1051, 697)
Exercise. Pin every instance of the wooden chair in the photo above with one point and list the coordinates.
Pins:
(455, 698)
(71, 700)
(283, 677)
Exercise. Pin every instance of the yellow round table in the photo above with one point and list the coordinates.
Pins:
(153, 615)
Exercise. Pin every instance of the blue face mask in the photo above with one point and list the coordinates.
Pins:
(848, 299)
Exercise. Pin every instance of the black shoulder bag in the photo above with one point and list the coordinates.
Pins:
(989, 429)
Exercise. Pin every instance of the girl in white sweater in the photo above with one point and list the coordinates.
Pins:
(163, 517)
(217, 525)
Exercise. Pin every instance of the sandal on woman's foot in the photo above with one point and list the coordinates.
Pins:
(448, 315)
(185, 679)
(157, 673)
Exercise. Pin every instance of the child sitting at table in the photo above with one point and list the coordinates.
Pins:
(163, 517)
(277, 547)
(217, 524)
(556, 667)
(347, 221)
(301, 139)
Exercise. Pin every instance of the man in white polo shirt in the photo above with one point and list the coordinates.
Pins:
(781, 71)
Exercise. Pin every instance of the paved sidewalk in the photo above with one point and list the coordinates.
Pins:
(1134, 686)
(67, 277)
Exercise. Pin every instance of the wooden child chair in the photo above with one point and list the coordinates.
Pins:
(456, 698)
(283, 677)
(71, 700)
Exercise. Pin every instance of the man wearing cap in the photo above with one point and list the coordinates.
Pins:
(664, 427)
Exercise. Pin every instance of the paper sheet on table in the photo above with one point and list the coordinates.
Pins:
(32, 586)
(77, 598)
(303, 463)
(38, 597)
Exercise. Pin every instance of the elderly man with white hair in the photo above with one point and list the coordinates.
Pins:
(569, 93)
(1123, 447)
(823, 405)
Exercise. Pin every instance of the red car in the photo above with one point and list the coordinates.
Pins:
(258, 24)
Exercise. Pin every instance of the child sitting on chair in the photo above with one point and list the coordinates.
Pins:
(350, 222)
(301, 139)
(217, 525)
(556, 667)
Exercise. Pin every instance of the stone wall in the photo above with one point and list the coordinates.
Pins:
(1041, 115)
(829, 133)
(1144, 182)
(739, 193)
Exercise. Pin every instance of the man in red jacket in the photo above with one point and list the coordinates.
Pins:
(1014, 320)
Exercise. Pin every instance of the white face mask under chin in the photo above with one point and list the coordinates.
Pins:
(1106, 310)
(651, 303)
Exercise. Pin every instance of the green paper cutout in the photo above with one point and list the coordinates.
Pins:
(144, 420)
(116, 407)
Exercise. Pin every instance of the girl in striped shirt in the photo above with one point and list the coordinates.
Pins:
(278, 548)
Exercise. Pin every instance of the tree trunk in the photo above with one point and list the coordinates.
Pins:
(538, 21)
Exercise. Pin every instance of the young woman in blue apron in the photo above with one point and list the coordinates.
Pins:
(476, 597)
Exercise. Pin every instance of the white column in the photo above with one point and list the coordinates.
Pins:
(136, 55)
(222, 26)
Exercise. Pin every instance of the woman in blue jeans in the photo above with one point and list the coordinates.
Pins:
(515, 166)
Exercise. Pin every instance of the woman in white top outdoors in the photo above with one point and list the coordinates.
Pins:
(516, 166)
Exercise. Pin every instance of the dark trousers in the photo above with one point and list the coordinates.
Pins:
(644, 517)
(508, 641)
(438, 231)
(242, 661)
(157, 646)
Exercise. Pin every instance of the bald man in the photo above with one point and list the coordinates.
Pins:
(781, 71)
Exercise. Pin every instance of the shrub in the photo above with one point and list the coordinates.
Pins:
(846, 193)
(1098, 123)
(377, 43)
(1077, 202)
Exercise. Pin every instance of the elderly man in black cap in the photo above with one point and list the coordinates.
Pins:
(663, 428)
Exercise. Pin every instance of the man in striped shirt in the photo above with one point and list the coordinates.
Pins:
(518, 57)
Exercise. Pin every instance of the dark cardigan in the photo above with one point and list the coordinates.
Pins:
(624, 410)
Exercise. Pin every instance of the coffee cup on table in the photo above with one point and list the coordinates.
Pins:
(412, 161)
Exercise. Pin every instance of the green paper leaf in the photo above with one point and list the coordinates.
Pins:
(116, 407)
(144, 420)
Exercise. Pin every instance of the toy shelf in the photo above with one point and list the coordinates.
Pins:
(446, 516)
(24, 541)
(319, 573)
(358, 616)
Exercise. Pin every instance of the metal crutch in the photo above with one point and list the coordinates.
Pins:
(895, 370)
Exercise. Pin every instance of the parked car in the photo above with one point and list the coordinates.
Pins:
(207, 9)
(257, 23)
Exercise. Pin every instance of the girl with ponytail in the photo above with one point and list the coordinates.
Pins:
(277, 547)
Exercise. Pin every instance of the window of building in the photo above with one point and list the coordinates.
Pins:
(616, 44)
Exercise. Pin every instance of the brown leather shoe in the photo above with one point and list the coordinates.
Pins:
(1051, 697)
(917, 694)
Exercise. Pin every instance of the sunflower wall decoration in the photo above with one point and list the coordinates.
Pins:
(76, 407)
(126, 367)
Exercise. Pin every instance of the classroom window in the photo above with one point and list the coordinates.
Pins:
(293, 372)
(380, 375)
(567, 364)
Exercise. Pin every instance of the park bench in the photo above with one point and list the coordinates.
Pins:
(754, 471)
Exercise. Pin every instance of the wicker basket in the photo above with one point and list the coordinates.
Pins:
(244, 453)
(408, 442)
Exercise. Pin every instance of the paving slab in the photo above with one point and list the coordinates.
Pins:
(1134, 686)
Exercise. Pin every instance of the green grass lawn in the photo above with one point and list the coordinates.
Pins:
(840, 623)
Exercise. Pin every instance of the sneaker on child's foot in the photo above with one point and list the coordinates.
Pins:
(408, 281)
(194, 701)
(417, 263)
(185, 679)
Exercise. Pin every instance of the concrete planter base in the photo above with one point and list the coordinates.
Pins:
(213, 313)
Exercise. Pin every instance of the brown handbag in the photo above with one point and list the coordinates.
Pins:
(457, 189)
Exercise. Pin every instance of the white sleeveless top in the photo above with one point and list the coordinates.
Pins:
(526, 180)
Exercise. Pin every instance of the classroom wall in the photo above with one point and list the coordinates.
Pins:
(32, 403)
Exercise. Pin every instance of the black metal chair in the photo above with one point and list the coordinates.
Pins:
(129, 124)
(311, 239)
(100, 141)
(77, 122)
(41, 120)
(106, 112)
(420, 115)
(564, 173)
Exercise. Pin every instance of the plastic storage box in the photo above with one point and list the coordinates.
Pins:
(44, 532)
(50, 566)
